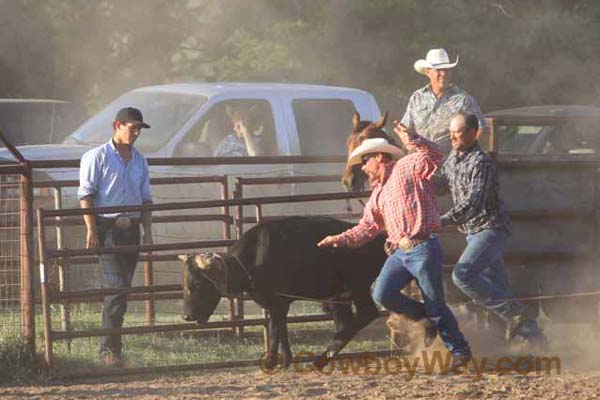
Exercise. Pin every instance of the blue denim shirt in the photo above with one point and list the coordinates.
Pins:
(104, 175)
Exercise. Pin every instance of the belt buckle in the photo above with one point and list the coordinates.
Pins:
(405, 244)
(123, 222)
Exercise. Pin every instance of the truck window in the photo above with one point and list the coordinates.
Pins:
(220, 132)
(574, 137)
(165, 112)
(570, 138)
(26, 122)
(517, 139)
(323, 125)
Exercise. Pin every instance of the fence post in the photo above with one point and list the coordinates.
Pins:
(149, 281)
(266, 334)
(239, 223)
(239, 230)
(63, 267)
(27, 295)
(225, 209)
(45, 292)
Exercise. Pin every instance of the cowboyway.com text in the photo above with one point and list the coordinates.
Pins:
(432, 362)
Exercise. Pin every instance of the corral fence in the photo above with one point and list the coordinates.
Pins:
(232, 216)
(17, 314)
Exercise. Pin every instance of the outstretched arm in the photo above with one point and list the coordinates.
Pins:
(249, 138)
(368, 227)
(431, 154)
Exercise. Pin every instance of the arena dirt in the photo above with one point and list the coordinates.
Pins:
(578, 377)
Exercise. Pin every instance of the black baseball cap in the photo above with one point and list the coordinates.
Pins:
(131, 114)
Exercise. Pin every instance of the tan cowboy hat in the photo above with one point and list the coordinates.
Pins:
(436, 59)
(377, 145)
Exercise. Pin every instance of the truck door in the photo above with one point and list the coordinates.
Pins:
(215, 134)
(322, 128)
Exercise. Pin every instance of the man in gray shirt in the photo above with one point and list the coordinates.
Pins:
(431, 108)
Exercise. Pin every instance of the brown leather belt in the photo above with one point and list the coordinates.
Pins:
(404, 244)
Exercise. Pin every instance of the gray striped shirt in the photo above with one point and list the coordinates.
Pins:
(430, 116)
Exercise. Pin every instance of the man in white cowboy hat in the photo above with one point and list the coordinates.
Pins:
(403, 204)
(430, 108)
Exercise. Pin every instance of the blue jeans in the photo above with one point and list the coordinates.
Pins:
(480, 273)
(423, 263)
(117, 270)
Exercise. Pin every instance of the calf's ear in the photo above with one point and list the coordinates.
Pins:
(183, 257)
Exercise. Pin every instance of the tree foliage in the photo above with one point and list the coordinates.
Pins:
(512, 52)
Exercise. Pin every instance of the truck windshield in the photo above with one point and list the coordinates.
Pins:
(165, 112)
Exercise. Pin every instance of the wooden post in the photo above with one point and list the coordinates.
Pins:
(27, 295)
(265, 312)
(63, 267)
(239, 223)
(239, 231)
(225, 209)
(149, 303)
(45, 292)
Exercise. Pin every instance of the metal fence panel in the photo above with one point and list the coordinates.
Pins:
(10, 269)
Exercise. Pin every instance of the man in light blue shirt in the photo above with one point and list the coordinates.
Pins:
(116, 174)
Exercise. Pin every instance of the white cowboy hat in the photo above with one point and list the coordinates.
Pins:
(436, 59)
(377, 145)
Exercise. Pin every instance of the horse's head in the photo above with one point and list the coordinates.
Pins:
(354, 178)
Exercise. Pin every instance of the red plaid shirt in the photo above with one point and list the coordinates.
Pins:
(403, 204)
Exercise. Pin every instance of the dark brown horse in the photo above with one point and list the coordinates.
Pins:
(354, 178)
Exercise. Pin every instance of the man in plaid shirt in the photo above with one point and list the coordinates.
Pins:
(479, 213)
(402, 203)
(430, 108)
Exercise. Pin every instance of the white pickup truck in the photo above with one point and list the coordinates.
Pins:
(296, 119)
(190, 119)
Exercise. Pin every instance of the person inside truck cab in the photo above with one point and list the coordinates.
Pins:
(248, 137)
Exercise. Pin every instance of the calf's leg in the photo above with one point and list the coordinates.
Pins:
(278, 337)
(284, 343)
(366, 311)
(340, 312)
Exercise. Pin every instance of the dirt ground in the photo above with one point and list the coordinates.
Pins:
(292, 385)
(569, 370)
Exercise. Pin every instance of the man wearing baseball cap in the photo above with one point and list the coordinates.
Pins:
(431, 108)
(116, 174)
(403, 204)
